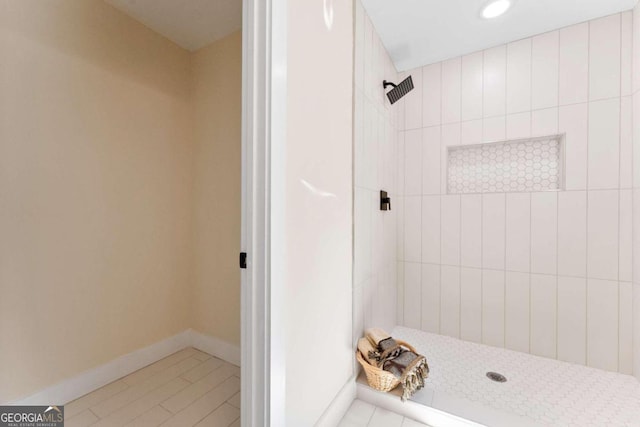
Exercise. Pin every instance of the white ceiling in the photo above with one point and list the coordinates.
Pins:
(192, 24)
(420, 32)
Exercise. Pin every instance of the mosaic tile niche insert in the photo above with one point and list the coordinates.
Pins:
(532, 164)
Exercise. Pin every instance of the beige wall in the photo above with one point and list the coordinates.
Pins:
(217, 85)
(97, 190)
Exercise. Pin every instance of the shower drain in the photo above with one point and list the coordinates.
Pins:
(494, 376)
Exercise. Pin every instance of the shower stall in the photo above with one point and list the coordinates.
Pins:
(508, 253)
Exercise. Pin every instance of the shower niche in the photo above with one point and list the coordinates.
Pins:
(522, 165)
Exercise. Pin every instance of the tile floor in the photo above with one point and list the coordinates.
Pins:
(362, 414)
(188, 388)
(539, 391)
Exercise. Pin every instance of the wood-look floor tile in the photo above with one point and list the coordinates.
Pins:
(202, 407)
(202, 369)
(235, 400)
(191, 393)
(201, 355)
(138, 407)
(148, 371)
(152, 418)
(135, 392)
(83, 419)
(221, 417)
(79, 405)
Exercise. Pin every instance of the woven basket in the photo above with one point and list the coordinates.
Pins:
(380, 379)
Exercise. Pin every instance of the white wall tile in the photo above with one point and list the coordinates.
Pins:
(495, 81)
(430, 299)
(604, 57)
(544, 70)
(450, 136)
(625, 322)
(400, 293)
(430, 229)
(431, 94)
(431, 142)
(358, 139)
(450, 235)
(544, 232)
(471, 304)
(604, 144)
(544, 122)
(472, 80)
(358, 313)
(602, 324)
(517, 311)
(636, 238)
(519, 76)
(636, 53)
(368, 57)
(413, 303)
(358, 40)
(543, 315)
(574, 122)
(493, 231)
(413, 162)
(450, 300)
(636, 136)
(602, 235)
(518, 228)
(399, 163)
(574, 64)
(471, 132)
(363, 228)
(368, 289)
(626, 142)
(636, 332)
(451, 90)
(412, 228)
(493, 307)
(494, 129)
(572, 233)
(413, 104)
(572, 321)
(471, 230)
(625, 258)
(398, 206)
(385, 309)
(626, 51)
(519, 125)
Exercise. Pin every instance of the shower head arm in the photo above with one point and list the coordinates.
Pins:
(386, 84)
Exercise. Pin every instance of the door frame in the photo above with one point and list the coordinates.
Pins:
(263, 306)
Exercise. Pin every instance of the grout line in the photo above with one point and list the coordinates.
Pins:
(96, 415)
(504, 297)
(482, 268)
(586, 264)
(620, 131)
(530, 263)
(460, 268)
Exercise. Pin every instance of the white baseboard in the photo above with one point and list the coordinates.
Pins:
(215, 347)
(339, 406)
(95, 378)
(88, 381)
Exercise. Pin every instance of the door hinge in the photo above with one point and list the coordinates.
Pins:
(243, 260)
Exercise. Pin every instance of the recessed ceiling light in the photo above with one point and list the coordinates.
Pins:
(495, 8)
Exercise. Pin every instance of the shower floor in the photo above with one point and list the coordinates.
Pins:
(538, 391)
